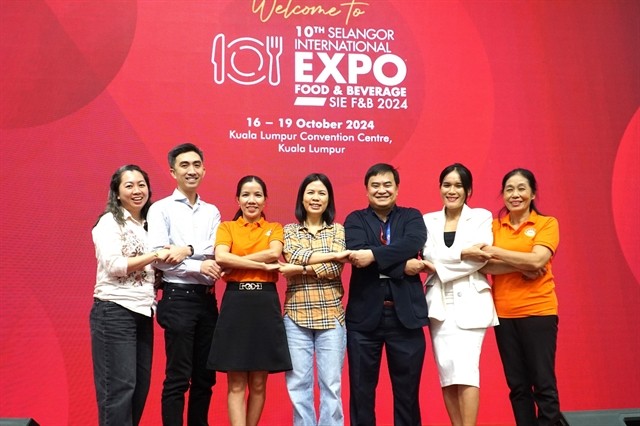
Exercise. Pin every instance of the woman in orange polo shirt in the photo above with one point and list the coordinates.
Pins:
(249, 341)
(524, 294)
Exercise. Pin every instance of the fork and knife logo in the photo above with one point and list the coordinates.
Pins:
(226, 58)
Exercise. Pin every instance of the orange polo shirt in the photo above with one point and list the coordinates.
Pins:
(514, 296)
(245, 238)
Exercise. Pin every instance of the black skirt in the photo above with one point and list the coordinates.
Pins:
(250, 334)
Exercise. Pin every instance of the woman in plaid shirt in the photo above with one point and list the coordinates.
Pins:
(313, 313)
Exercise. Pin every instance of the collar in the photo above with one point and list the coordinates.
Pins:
(242, 222)
(324, 226)
(464, 214)
(179, 196)
(128, 217)
(531, 220)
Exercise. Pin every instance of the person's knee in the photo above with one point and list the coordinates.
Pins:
(258, 384)
(330, 380)
(236, 383)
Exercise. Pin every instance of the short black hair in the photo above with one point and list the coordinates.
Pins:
(330, 212)
(379, 169)
(181, 149)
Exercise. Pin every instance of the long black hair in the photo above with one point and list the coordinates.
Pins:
(114, 206)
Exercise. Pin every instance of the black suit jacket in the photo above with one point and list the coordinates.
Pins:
(366, 289)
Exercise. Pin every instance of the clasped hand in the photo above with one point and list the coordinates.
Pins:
(177, 254)
(415, 266)
(211, 269)
(361, 258)
(480, 252)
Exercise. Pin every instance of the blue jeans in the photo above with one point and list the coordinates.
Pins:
(188, 318)
(121, 348)
(329, 349)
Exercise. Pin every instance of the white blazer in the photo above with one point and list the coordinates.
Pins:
(473, 303)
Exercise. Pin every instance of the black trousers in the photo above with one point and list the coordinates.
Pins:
(527, 348)
(405, 350)
(188, 318)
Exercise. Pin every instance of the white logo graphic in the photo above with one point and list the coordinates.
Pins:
(225, 58)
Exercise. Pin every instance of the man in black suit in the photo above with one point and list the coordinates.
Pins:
(386, 306)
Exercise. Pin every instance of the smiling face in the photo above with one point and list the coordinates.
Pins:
(188, 171)
(315, 199)
(133, 192)
(251, 201)
(517, 194)
(382, 191)
(452, 192)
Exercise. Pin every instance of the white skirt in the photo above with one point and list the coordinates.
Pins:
(457, 351)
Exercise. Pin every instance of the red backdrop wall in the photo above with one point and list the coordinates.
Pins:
(86, 86)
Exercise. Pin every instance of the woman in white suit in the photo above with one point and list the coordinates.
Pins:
(459, 297)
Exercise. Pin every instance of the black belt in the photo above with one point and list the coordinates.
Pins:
(251, 286)
(196, 288)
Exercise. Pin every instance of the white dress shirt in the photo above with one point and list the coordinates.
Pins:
(173, 221)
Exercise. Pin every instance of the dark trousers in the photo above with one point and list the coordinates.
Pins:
(405, 350)
(121, 349)
(527, 348)
(188, 319)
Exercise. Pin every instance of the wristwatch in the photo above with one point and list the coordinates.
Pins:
(192, 251)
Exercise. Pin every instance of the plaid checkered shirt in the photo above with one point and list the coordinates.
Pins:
(314, 302)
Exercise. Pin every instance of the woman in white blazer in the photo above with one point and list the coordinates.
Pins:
(459, 297)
